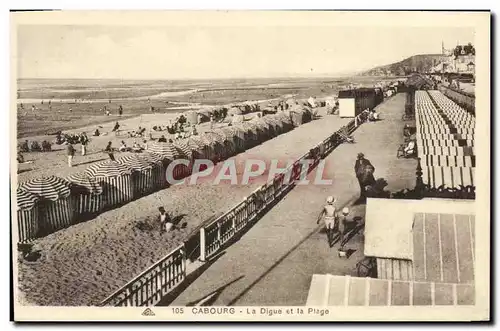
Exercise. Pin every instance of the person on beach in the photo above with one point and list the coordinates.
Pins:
(359, 169)
(145, 145)
(341, 226)
(328, 212)
(84, 140)
(211, 122)
(166, 223)
(70, 151)
(109, 150)
(123, 147)
(162, 139)
(120, 110)
(116, 127)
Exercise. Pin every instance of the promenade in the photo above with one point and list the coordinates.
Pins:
(272, 264)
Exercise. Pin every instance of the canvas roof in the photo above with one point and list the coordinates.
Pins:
(389, 223)
(333, 290)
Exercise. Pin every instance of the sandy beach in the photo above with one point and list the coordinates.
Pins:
(96, 257)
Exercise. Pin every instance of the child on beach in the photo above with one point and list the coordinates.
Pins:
(165, 221)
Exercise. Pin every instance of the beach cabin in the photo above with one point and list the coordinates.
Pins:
(353, 101)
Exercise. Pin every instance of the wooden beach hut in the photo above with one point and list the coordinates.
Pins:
(86, 194)
(55, 209)
(116, 181)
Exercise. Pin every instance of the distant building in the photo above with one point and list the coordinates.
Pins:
(460, 59)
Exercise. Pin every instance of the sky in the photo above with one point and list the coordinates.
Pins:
(197, 52)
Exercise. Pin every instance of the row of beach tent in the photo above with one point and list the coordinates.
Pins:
(445, 141)
(48, 204)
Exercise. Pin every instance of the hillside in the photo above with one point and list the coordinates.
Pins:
(419, 63)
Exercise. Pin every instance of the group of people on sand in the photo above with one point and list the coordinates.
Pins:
(70, 149)
(339, 221)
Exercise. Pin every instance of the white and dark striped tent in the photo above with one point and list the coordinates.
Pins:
(158, 169)
(86, 194)
(27, 216)
(142, 173)
(165, 149)
(286, 119)
(116, 181)
(212, 142)
(251, 133)
(226, 141)
(238, 136)
(184, 149)
(266, 131)
(55, 211)
(275, 125)
(202, 151)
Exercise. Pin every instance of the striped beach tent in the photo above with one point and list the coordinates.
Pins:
(251, 133)
(27, 216)
(165, 149)
(158, 169)
(183, 148)
(225, 141)
(86, 194)
(116, 181)
(286, 119)
(236, 135)
(212, 142)
(266, 130)
(142, 173)
(204, 151)
(55, 211)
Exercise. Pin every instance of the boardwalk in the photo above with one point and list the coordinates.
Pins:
(273, 263)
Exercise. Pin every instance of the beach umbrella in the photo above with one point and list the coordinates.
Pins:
(47, 188)
(115, 179)
(86, 192)
(27, 216)
(165, 149)
(55, 211)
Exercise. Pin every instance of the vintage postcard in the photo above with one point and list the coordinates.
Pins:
(250, 166)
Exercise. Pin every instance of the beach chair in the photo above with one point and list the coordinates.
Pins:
(403, 150)
(345, 137)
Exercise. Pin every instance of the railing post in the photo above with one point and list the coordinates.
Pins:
(356, 121)
(130, 302)
(184, 261)
(203, 250)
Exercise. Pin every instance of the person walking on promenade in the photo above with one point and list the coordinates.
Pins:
(328, 212)
(359, 169)
(341, 226)
(71, 153)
